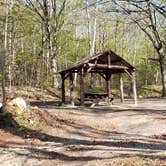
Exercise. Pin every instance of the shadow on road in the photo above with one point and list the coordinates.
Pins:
(147, 146)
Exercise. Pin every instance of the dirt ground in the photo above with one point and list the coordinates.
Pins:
(116, 135)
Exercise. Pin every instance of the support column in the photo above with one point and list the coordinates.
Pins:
(134, 88)
(109, 60)
(63, 88)
(121, 88)
(82, 86)
(71, 88)
(108, 88)
(108, 76)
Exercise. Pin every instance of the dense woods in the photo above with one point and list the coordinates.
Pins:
(39, 38)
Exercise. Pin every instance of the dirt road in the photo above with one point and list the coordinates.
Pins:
(121, 134)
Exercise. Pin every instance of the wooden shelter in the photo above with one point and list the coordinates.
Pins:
(105, 64)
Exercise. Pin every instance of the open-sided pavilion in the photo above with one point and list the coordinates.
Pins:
(105, 64)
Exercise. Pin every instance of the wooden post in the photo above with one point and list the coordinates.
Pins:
(134, 88)
(109, 60)
(108, 75)
(82, 85)
(121, 88)
(71, 88)
(63, 88)
(108, 88)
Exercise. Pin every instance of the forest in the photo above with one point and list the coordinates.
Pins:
(40, 38)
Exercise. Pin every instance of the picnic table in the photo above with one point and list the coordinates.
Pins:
(98, 97)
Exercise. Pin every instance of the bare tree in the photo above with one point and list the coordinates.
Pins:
(92, 28)
(147, 15)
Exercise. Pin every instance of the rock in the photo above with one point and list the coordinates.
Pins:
(17, 104)
(35, 107)
(31, 121)
(0, 105)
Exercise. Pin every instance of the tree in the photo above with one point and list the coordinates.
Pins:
(51, 15)
(149, 16)
(92, 28)
(3, 54)
(2, 62)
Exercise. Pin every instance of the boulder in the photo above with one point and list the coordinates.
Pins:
(0, 105)
(17, 104)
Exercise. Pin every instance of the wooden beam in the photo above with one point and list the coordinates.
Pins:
(71, 88)
(82, 98)
(130, 75)
(103, 75)
(96, 61)
(63, 88)
(134, 88)
(106, 66)
(109, 60)
(113, 71)
(121, 88)
(89, 69)
(66, 76)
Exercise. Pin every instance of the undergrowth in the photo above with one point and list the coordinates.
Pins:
(14, 120)
(6, 119)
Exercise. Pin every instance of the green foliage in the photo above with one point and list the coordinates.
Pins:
(28, 60)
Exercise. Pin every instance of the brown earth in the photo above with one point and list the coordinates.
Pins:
(117, 135)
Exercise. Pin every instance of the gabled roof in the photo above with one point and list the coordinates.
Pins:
(118, 64)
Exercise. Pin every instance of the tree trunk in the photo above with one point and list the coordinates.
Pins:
(133, 81)
(10, 61)
(2, 60)
(3, 55)
(116, 30)
(54, 70)
(163, 75)
(92, 37)
(156, 76)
